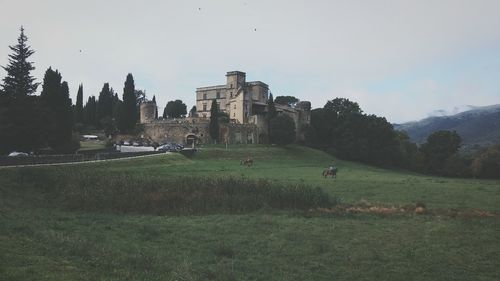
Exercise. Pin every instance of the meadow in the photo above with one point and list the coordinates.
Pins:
(169, 217)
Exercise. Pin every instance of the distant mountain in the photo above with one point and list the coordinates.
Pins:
(479, 126)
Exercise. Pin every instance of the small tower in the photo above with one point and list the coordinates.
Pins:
(148, 112)
(235, 80)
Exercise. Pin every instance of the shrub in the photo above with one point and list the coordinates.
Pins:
(135, 194)
(487, 163)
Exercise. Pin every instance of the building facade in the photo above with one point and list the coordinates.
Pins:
(244, 102)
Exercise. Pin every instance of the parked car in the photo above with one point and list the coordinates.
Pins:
(126, 143)
(17, 154)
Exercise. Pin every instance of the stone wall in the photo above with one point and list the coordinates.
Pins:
(183, 130)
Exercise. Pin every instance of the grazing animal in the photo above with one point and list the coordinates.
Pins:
(248, 162)
(332, 173)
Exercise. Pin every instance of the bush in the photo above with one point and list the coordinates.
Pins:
(487, 163)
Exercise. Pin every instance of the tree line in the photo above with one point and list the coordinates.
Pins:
(342, 129)
(29, 122)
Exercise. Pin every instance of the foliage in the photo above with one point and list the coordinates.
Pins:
(487, 163)
(192, 112)
(128, 110)
(156, 107)
(271, 108)
(282, 129)
(108, 124)
(90, 112)
(175, 109)
(105, 103)
(20, 122)
(58, 116)
(214, 127)
(286, 100)
(19, 83)
(79, 105)
(341, 128)
(140, 97)
(439, 147)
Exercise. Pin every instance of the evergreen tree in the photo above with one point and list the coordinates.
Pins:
(105, 103)
(20, 124)
(271, 108)
(58, 113)
(271, 113)
(19, 82)
(214, 121)
(192, 112)
(90, 112)
(156, 107)
(129, 109)
(79, 105)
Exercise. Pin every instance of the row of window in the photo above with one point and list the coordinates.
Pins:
(217, 96)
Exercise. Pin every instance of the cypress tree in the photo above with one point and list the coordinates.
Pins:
(90, 112)
(129, 110)
(58, 115)
(156, 107)
(271, 113)
(105, 103)
(214, 121)
(79, 105)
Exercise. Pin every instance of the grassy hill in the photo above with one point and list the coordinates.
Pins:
(277, 220)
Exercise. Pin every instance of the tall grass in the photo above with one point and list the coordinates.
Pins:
(124, 193)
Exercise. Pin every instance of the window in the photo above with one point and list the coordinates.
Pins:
(218, 105)
(235, 106)
(204, 96)
(204, 107)
(218, 95)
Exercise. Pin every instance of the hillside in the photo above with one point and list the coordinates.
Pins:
(168, 217)
(479, 126)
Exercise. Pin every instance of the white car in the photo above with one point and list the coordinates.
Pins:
(17, 154)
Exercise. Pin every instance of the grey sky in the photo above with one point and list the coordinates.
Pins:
(398, 59)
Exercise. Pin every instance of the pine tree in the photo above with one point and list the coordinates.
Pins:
(20, 123)
(18, 82)
(79, 105)
(129, 112)
(214, 121)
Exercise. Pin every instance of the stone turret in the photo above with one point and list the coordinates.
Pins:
(148, 112)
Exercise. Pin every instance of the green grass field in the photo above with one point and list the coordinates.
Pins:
(51, 227)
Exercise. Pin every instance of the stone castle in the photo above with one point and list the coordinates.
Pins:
(244, 102)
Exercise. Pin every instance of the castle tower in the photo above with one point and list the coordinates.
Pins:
(235, 80)
(147, 112)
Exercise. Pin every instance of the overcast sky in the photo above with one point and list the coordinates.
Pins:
(398, 59)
